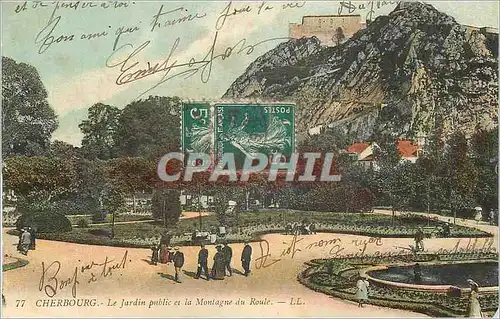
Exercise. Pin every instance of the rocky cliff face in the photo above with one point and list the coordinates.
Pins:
(406, 74)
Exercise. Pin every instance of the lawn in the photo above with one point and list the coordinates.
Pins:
(119, 218)
(252, 224)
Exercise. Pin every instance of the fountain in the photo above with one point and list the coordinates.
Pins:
(437, 277)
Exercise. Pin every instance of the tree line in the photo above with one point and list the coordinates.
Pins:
(121, 147)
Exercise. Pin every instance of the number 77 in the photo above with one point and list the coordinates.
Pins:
(20, 303)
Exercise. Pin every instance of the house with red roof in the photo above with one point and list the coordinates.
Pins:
(408, 151)
(363, 152)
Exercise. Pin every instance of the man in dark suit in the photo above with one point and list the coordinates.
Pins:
(246, 257)
(33, 238)
(228, 255)
(202, 262)
(178, 263)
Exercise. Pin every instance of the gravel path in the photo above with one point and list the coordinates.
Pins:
(273, 286)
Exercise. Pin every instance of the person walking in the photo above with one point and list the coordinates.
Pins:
(228, 255)
(202, 262)
(246, 257)
(419, 240)
(479, 214)
(25, 241)
(492, 217)
(178, 264)
(474, 308)
(164, 248)
(154, 255)
(20, 241)
(218, 271)
(32, 237)
(362, 290)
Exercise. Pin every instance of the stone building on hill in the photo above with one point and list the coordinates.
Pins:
(331, 30)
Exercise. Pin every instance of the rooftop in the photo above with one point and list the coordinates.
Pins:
(357, 148)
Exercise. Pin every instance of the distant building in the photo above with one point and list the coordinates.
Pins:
(363, 152)
(408, 151)
(142, 202)
(331, 30)
(206, 202)
(491, 35)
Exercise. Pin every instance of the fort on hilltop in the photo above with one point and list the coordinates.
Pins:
(331, 30)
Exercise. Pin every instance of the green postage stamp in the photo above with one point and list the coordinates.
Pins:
(242, 129)
(197, 128)
(247, 129)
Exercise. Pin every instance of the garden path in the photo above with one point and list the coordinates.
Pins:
(139, 279)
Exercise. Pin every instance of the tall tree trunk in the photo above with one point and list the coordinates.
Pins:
(113, 225)
(133, 203)
(199, 208)
(247, 199)
(428, 204)
(393, 215)
(164, 210)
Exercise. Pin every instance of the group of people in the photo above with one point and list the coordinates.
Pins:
(27, 240)
(492, 216)
(221, 265)
(300, 229)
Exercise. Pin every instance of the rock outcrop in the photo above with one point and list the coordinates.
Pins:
(406, 74)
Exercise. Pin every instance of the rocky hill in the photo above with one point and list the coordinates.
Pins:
(406, 74)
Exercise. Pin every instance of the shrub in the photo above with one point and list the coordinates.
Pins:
(76, 205)
(82, 223)
(45, 222)
(99, 216)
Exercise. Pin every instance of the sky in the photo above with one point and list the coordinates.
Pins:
(78, 72)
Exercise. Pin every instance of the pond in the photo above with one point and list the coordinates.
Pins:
(485, 274)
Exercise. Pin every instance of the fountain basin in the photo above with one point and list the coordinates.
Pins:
(438, 276)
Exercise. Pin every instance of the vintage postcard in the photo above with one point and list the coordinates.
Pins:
(249, 159)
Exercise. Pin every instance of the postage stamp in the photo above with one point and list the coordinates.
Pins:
(277, 159)
(246, 129)
(197, 128)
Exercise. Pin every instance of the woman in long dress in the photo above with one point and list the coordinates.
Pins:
(362, 290)
(474, 306)
(218, 271)
(164, 248)
(479, 215)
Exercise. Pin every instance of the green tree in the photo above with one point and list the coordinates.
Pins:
(166, 206)
(331, 140)
(38, 178)
(485, 156)
(62, 149)
(27, 119)
(396, 179)
(149, 128)
(99, 131)
(113, 200)
(461, 174)
(133, 174)
(431, 193)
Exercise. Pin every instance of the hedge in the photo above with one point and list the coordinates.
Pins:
(45, 222)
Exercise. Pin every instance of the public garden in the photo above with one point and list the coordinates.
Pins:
(83, 203)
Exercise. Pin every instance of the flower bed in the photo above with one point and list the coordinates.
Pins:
(254, 224)
(16, 264)
(337, 277)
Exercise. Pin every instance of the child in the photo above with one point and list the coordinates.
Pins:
(154, 256)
